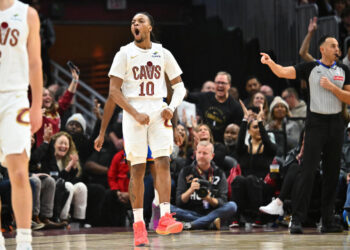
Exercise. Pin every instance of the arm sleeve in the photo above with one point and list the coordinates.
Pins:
(172, 68)
(181, 188)
(65, 101)
(113, 172)
(269, 147)
(119, 64)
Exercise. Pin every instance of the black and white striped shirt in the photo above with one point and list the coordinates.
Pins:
(323, 101)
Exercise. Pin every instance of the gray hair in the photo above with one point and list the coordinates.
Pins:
(206, 144)
(228, 75)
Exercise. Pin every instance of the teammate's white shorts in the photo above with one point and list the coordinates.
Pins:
(158, 135)
(14, 124)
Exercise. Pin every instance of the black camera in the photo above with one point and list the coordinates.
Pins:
(204, 188)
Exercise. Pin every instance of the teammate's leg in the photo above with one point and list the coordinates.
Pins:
(160, 138)
(155, 204)
(21, 195)
(163, 183)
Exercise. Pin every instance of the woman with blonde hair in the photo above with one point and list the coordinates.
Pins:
(62, 161)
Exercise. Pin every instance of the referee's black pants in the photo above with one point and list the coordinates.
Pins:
(323, 134)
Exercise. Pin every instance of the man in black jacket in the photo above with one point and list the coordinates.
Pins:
(201, 194)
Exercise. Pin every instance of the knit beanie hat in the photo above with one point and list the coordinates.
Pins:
(78, 118)
(276, 101)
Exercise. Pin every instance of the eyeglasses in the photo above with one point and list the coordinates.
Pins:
(255, 126)
(223, 83)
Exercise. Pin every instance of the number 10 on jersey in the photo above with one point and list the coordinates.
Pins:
(146, 89)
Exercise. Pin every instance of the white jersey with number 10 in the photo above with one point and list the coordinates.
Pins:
(143, 71)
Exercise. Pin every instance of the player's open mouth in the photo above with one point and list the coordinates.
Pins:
(137, 32)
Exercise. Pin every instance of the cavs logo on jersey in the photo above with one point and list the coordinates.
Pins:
(8, 35)
(23, 116)
(148, 71)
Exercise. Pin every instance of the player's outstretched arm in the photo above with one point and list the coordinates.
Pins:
(342, 94)
(280, 71)
(35, 69)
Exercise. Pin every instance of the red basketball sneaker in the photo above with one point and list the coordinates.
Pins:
(140, 234)
(168, 225)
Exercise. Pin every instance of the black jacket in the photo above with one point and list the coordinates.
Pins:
(218, 188)
(49, 166)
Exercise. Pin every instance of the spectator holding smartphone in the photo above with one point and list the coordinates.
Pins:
(52, 111)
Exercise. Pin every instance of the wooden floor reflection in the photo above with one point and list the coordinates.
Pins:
(118, 239)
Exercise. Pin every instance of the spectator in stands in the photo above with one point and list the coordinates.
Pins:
(279, 111)
(344, 26)
(346, 59)
(52, 111)
(62, 161)
(266, 90)
(230, 139)
(96, 166)
(182, 149)
(249, 190)
(338, 7)
(252, 86)
(233, 91)
(48, 37)
(117, 200)
(201, 209)
(208, 86)
(259, 99)
(203, 133)
(218, 109)
(45, 185)
(76, 127)
(292, 164)
(297, 107)
(180, 153)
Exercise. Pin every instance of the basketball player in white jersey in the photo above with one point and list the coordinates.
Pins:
(20, 64)
(137, 84)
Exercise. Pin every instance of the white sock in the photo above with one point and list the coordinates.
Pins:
(156, 198)
(23, 237)
(138, 214)
(164, 208)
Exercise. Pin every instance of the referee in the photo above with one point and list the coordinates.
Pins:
(328, 84)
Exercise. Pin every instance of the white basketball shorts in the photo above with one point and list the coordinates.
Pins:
(158, 135)
(14, 124)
